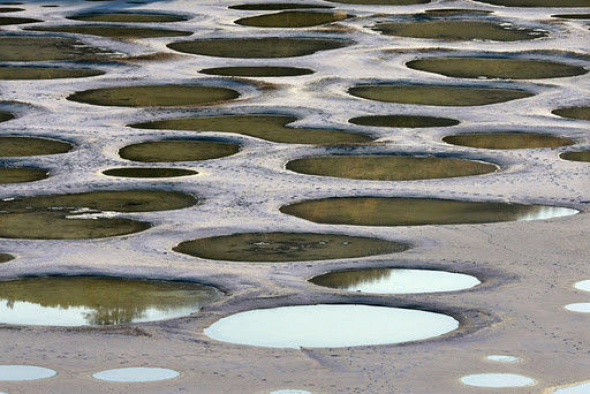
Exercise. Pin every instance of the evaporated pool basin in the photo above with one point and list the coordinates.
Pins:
(538, 3)
(13, 373)
(437, 95)
(389, 167)
(36, 48)
(580, 388)
(262, 48)
(149, 172)
(583, 285)
(581, 307)
(396, 281)
(31, 146)
(497, 380)
(277, 6)
(17, 73)
(403, 121)
(155, 96)
(458, 30)
(80, 301)
(178, 150)
(583, 156)
(21, 174)
(128, 17)
(291, 19)
(399, 211)
(114, 31)
(477, 67)
(579, 113)
(330, 326)
(136, 375)
(268, 127)
(285, 247)
(257, 71)
(84, 215)
(510, 140)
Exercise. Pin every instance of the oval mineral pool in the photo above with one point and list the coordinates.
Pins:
(583, 285)
(136, 375)
(13, 373)
(290, 391)
(508, 140)
(497, 380)
(114, 31)
(396, 281)
(330, 326)
(25, 73)
(6, 116)
(178, 150)
(383, 2)
(403, 121)
(128, 17)
(8, 20)
(81, 301)
(292, 19)
(5, 257)
(572, 16)
(583, 156)
(581, 307)
(36, 48)
(31, 146)
(149, 172)
(277, 6)
(578, 113)
(21, 174)
(538, 3)
(579, 388)
(498, 358)
(257, 71)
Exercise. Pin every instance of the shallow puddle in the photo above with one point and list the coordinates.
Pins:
(283, 247)
(128, 18)
(31, 146)
(5, 257)
(398, 211)
(497, 380)
(580, 388)
(581, 307)
(579, 113)
(111, 31)
(330, 326)
(457, 30)
(35, 48)
(13, 373)
(136, 375)
(265, 126)
(254, 71)
(149, 172)
(16, 73)
(496, 68)
(21, 174)
(583, 285)
(178, 150)
(289, 19)
(437, 95)
(8, 20)
(84, 215)
(403, 121)
(155, 96)
(389, 168)
(262, 48)
(572, 16)
(538, 3)
(396, 281)
(277, 6)
(498, 358)
(508, 140)
(79, 301)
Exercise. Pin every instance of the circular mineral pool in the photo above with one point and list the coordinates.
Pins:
(579, 388)
(581, 307)
(21, 174)
(5, 257)
(290, 391)
(257, 71)
(499, 358)
(114, 31)
(293, 19)
(277, 6)
(583, 285)
(178, 150)
(508, 140)
(31, 146)
(37, 48)
(81, 301)
(497, 380)
(539, 3)
(25, 73)
(396, 281)
(128, 17)
(578, 113)
(10, 20)
(136, 375)
(12, 373)
(582, 156)
(149, 172)
(330, 326)
(403, 121)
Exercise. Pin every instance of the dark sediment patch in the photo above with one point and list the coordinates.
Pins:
(148, 172)
(257, 71)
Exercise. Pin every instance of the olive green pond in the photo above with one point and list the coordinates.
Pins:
(403, 121)
(178, 150)
(148, 172)
(31, 146)
(508, 140)
(288, 19)
(21, 174)
(111, 31)
(35, 48)
(257, 71)
(16, 73)
(579, 113)
(128, 18)
(277, 6)
(576, 156)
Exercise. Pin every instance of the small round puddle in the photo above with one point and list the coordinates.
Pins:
(579, 388)
(13, 373)
(572, 16)
(80, 301)
(498, 358)
(31, 146)
(255, 71)
(136, 375)
(403, 121)
(330, 326)
(396, 281)
(389, 168)
(16, 73)
(539, 3)
(291, 19)
(149, 172)
(508, 140)
(21, 174)
(579, 113)
(458, 30)
(581, 307)
(399, 211)
(497, 380)
(583, 285)
(35, 48)
(464, 67)
(277, 6)
(9, 20)
(437, 95)
(128, 18)
(285, 247)
(111, 31)
(155, 96)
(267, 127)
(178, 150)
(262, 48)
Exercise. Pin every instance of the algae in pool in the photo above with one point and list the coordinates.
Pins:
(583, 156)
(31, 146)
(35, 48)
(277, 6)
(539, 3)
(155, 96)
(578, 113)
(457, 30)
(287, 19)
(400, 211)
(111, 31)
(285, 247)
(128, 18)
(396, 281)
(16, 73)
(262, 48)
(464, 67)
(21, 174)
(84, 215)
(508, 140)
(403, 121)
(257, 71)
(330, 326)
(80, 301)
(178, 150)
(265, 126)
(149, 172)
(437, 95)
(389, 167)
